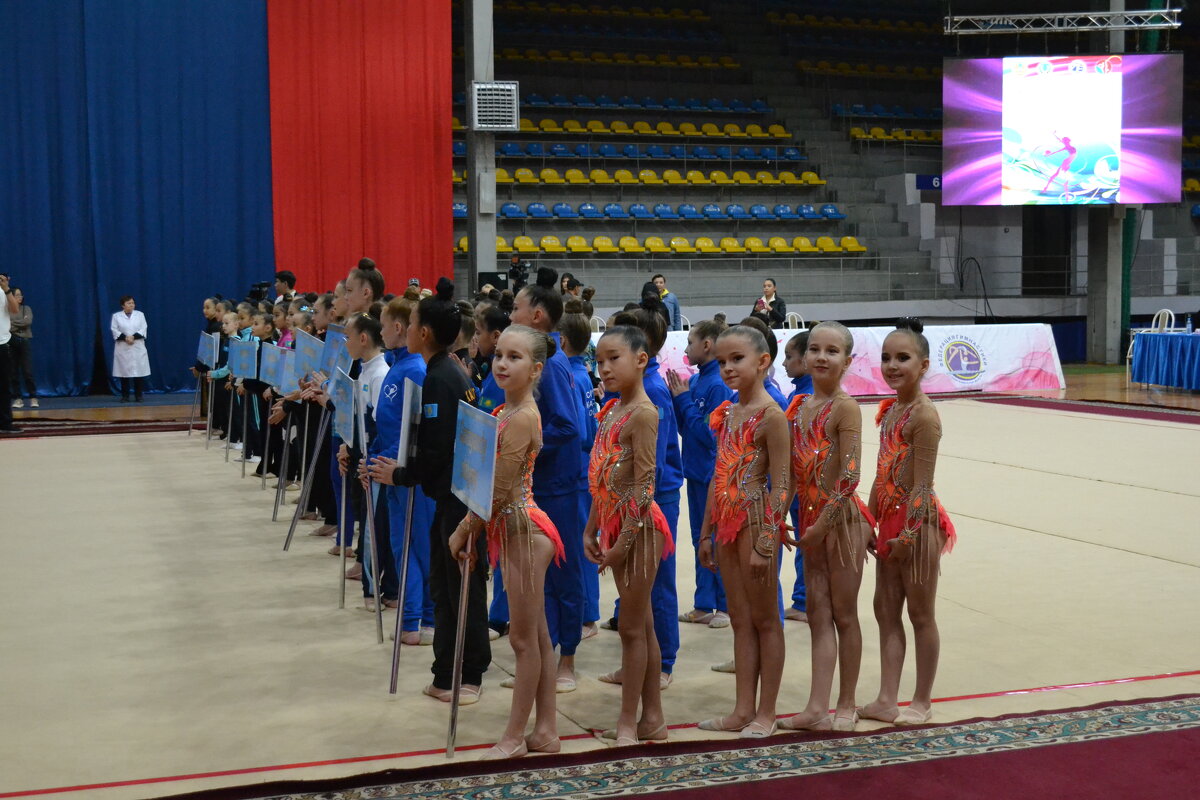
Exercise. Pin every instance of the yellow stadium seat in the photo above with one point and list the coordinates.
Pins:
(557, 55)
(672, 177)
(880, 134)
(729, 62)
(511, 54)
(743, 178)
(901, 135)
(599, 57)
(778, 131)
(937, 136)
(644, 129)
(643, 60)
(650, 178)
(628, 244)
(579, 57)
(803, 245)
(733, 129)
(681, 245)
(1191, 185)
(462, 245)
(525, 175)
(620, 126)
(707, 62)
(502, 175)
(551, 244)
(575, 176)
(502, 245)
(826, 245)
(596, 126)
(549, 175)
(709, 129)
(755, 245)
(720, 178)
(664, 60)
(524, 244)
(920, 72)
(622, 58)
(696, 178)
(731, 245)
(655, 245)
(686, 61)
(457, 178)
(601, 176)
(810, 178)
(788, 178)
(857, 134)
(689, 129)
(604, 244)
(778, 244)
(578, 244)
(705, 245)
(921, 135)
(766, 178)
(625, 177)
(756, 132)
(527, 125)
(549, 126)
(842, 68)
(667, 129)
(851, 245)
(574, 126)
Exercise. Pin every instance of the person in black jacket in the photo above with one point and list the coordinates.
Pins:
(770, 308)
(434, 326)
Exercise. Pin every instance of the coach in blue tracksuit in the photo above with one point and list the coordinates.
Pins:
(694, 402)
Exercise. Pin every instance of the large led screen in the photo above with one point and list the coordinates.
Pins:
(1062, 130)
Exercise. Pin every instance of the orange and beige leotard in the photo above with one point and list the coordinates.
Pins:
(621, 475)
(748, 492)
(514, 512)
(826, 455)
(907, 506)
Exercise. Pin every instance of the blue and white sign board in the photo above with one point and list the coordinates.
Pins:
(410, 417)
(289, 384)
(271, 370)
(308, 355)
(243, 359)
(341, 391)
(207, 349)
(474, 458)
(334, 354)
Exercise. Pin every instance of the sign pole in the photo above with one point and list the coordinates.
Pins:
(195, 405)
(306, 488)
(408, 437)
(208, 425)
(245, 424)
(229, 424)
(280, 485)
(266, 454)
(360, 412)
(342, 535)
(460, 636)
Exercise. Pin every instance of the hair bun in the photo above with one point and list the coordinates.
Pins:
(445, 289)
(366, 264)
(546, 277)
(913, 324)
(551, 347)
(573, 306)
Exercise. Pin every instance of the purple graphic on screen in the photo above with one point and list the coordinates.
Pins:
(1121, 114)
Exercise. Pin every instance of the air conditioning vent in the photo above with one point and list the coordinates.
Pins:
(495, 106)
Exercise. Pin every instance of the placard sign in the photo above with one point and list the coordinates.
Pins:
(308, 355)
(271, 369)
(206, 350)
(410, 417)
(341, 391)
(243, 359)
(289, 383)
(474, 458)
(334, 354)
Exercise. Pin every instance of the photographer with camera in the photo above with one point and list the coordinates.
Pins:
(285, 286)
(518, 273)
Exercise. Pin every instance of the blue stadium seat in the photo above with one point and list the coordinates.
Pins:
(609, 151)
(837, 110)
(920, 112)
(511, 211)
(589, 211)
(738, 106)
(625, 101)
(792, 154)
(859, 110)
(535, 100)
(652, 104)
(677, 151)
(614, 211)
(688, 211)
(899, 111)
(671, 104)
(784, 211)
(535, 150)
(584, 151)
(713, 211)
(879, 110)
(725, 153)
(639, 211)
(604, 101)
(760, 106)
(830, 211)
(538, 211)
(561, 151)
(512, 149)
(717, 104)
(664, 211)
(736, 211)
(583, 101)
(460, 210)
(460, 148)
(703, 153)
(747, 154)
(459, 98)
(808, 212)
(1196, 211)
(633, 151)
(694, 104)
(759, 211)
(560, 100)
(564, 211)
(768, 153)
(656, 151)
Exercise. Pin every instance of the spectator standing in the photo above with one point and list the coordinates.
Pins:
(7, 308)
(770, 308)
(285, 286)
(20, 348)
(670, 301)
(131, 361)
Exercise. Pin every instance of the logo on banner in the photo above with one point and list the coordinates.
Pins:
(963, 359)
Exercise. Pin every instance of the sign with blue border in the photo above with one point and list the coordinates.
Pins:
(341, 391)
(334, 354)
(474, 458)
(207, 349)
(271, 369)
(243, 359)
(308, 355)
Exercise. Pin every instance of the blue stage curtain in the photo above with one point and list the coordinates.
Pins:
(135, 138)
(45, 206)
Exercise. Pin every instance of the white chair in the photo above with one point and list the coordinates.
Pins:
(597, 324)
(793, 320)
(687, 323)
(1162, 322)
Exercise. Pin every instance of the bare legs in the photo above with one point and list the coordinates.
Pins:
(640, 655)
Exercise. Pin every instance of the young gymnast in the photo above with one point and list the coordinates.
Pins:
(773, 348)
(634, 532)
(746, 510)
(834, 523)
(793, 364)
(522, 538)
(914, 529)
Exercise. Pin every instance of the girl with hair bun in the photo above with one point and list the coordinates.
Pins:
(523, 539)
(914, 530)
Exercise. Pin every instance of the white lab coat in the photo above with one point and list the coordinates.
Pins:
(130, 360)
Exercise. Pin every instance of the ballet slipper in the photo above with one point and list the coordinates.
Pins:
(720, 620)
(436, 693)
(590, 630)
(756, 730)
(564, 684)
(795, 614)
(664, 681)
(508, 682)
(841, 723)
(613, 677)
(626, 741)
(797, 723)
(659, 734)
(726, 667)
(551, 745)
(469, 695)
(911, 716)
(496, 752)
(718, 724)
(697, 616)
(889, 716)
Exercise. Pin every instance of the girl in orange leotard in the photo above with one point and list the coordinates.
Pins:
(634, 535)
(747, 505)
(914, 529)
(836, 526)
(521, 537)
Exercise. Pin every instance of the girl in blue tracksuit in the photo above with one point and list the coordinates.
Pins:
(793, 362)
(557, 472)
(694, 401)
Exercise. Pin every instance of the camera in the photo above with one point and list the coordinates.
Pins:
(258, 292)
(518, 273)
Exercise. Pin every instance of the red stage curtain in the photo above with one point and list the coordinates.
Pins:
(360, 138)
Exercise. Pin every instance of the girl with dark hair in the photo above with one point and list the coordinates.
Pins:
(770, 308)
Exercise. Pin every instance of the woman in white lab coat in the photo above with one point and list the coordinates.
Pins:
(131, 362)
